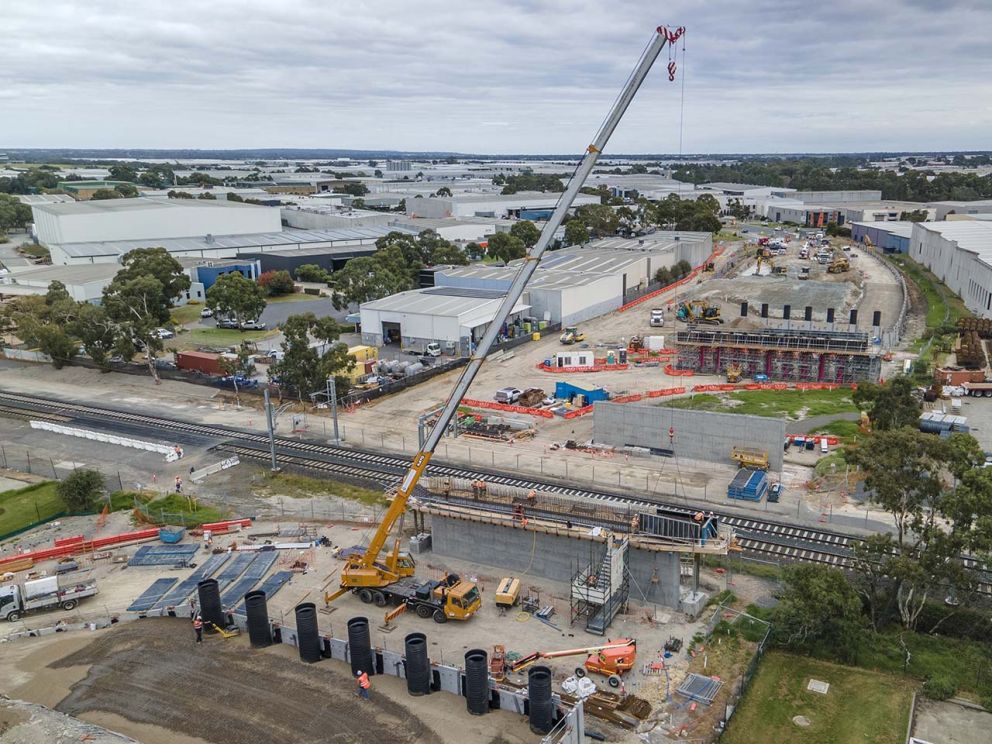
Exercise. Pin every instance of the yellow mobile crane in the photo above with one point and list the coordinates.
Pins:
(390, 580)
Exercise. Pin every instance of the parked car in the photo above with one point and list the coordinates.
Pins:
(243, 382)
(164, 333)
(206, 313)
(508, 395)
(227, 323)
(276, 355)
(433, 349)
(253, 325)
(775, 492)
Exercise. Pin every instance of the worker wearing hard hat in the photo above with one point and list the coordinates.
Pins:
(363, 684)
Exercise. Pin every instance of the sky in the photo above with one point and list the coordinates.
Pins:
(480, 76)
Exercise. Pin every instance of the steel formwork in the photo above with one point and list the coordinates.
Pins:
(798, 355)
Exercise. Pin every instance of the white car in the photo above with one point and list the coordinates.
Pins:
(206, 313)
(253, 325)
(164, 333)
(508, 395)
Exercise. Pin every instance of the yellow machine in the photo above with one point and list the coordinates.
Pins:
(839, 265)
(734, 372)
(747, 457)
(572, 335)
(611, 659)
(698, 311)
(508, 592)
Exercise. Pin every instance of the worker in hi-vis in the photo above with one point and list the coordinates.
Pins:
(198, 627)
(363, 684)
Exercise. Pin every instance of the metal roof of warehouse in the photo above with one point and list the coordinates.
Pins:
(442, 301)
(542, 279)
(288, 237)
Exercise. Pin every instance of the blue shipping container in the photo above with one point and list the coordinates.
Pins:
(748, 485)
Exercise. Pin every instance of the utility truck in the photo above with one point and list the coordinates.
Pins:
(17, 600)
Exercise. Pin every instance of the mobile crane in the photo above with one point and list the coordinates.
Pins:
(390, 580)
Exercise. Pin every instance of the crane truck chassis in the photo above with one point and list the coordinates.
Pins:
(447, 599)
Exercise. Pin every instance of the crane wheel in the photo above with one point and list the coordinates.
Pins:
(580, 671)
(440, 617)
(365, 595)
(423, 611)
(613, 681)
(379, 598)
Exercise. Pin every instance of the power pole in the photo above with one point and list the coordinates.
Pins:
(332, 399)
(272, 432)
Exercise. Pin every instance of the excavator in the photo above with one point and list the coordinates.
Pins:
(839, 265)
(698, 311)
(734, 372)
(382, 580)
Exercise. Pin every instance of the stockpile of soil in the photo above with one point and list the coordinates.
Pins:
(151, 672)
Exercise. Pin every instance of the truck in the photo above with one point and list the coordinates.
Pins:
(200, 361)
(17, 600)
(446, 599)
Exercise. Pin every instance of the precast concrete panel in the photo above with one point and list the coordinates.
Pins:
(698, 435)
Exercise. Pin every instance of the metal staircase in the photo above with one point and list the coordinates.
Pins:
(600, 590)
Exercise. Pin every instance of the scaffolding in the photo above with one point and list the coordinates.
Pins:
(797, 355)
(601, 589)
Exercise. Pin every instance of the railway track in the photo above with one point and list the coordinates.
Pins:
(769, 538)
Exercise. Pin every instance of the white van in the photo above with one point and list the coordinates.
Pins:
(824, 449)
(433, 349)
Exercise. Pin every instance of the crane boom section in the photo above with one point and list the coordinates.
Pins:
(514, 293)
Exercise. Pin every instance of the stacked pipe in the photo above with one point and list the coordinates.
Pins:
(981, 326)
(542, 708)
(418, 666)
(360, 646)
(307, 637)
(969, 353)
(211, 610)
(477, 682)
(259, 632)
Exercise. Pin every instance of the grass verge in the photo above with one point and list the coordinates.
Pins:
(178, 510)
(28, 505)
(303, 487)
(217, 337)
(296, 297)
(793, 404)
(860, 706)
(35, 251)
(185, 314)
(943, 306)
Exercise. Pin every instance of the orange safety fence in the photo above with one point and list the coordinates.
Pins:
(670, 370)
(542, 412)
(717, 252)
(82, 547)
(595, 368)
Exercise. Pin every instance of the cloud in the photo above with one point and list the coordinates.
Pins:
(513, 77)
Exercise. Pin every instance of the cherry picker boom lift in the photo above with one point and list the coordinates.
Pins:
(390, 580)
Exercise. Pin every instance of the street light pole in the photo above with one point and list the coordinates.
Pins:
(271, 427)
(332, 399)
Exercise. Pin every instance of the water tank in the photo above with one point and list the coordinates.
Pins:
(259, 632)
(542, 708)
(477, 682)
(210, 608)
(306, 632)
(418, 666)
(360, 646)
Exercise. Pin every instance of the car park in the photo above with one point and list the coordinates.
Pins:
(508, 395)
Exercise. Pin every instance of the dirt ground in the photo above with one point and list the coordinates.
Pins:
(148, 679)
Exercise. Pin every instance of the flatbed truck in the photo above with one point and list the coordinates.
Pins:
(449, 598)
(17, 600)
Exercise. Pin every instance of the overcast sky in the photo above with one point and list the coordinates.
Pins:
(516, 76)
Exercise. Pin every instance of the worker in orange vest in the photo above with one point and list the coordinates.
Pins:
(198, 627)
(363, 684)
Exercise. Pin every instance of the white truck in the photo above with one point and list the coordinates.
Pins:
(16, 600)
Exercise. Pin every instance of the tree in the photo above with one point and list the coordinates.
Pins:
(474, 251)
(443, 191)
(104, 194)
(355, 188)
(681, 269)
(917, 215)
(601, 220)
(179, 195)
(156, 262)
(80, 489)
(663, 276)
(369, 278)
(738, 210)
(207, 195)
(818, 609)
(311, 273)
(832, 228)
(531, 182)
(235, 296)
(42, 323)
(96, 332)
(13, 214)
(576, 232)
(506, 247)
(890, 405)
(234, 197)
(304, 368)
(276, 283)
(127, 190)
(123, 172)
(527, 231)
(907, 473)
(239, 366)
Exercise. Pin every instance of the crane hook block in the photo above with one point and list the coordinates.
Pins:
(672, 36)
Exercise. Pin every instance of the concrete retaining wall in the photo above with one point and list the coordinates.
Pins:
(699, 435)
(654, 575)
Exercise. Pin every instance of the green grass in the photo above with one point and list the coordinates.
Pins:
(943, 306)
(295, 297)
(846, 431)
(861, 706)
(221, 337)
(175, 509)
(36, 251)
(304, 487)
(773, 403)
(824, 465)
(737, 565)
(185, 314)
(28, 505)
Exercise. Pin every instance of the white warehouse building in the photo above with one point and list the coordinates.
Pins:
(455, 317)
(489, 205)
(140, 219)
(960, 254)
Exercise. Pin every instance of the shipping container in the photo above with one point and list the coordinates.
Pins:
(748, 485)
(202, 361)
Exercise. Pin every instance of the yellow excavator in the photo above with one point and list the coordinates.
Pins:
(698, 311)
(839, 265)
(391, 579)
(734, 372)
